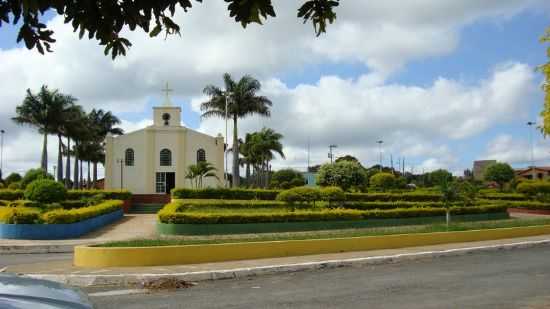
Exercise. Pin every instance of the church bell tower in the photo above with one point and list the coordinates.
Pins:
(167, 115)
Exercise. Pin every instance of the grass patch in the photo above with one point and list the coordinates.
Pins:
(459, 226)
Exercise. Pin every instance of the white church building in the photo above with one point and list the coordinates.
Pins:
(154, 160)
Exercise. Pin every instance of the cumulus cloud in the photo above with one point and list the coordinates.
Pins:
(517, 151)
(411, 120)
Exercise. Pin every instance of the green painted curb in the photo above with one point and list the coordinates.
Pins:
(274, 227)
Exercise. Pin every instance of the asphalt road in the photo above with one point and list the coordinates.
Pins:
(507, 279)
(15, 259)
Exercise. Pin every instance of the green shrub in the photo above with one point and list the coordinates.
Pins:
(11, 195)
(299, 195)
(106, 194)
(64, 216)
(13, 177)
(19, 215)
(391, 205)
(286, 179)
(335, 196)
(535, 205)
(45, 191)
(34, 174)
(14, 186)
(533, 188)
(1, 186)
(344, 174)
(224, 193)
(382, 181)
(170, 214)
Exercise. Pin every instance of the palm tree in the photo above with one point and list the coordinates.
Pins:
(45, 111)
(242, 100)
(259, 149)
(102, 123)
(197, 172)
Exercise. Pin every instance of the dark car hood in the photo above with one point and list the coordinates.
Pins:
(20, 292)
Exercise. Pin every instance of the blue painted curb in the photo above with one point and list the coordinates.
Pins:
(57, 231)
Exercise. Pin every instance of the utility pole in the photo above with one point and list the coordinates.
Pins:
(330, 154)
(380, 152)
(308, 153)
(530, 124)
(391, 164)
(226, 146)
(1, 152)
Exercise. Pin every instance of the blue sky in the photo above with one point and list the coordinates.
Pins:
(465, 51)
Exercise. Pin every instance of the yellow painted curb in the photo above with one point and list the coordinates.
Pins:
(85, 256)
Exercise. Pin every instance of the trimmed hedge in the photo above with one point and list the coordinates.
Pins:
(11, 195)
(224, 193)
(170, 214)
(299, 195)
(391, 197)
(64, 216)
(108, 195)
(229, 204)
(20, 215)
(528, 205)
(504, 196)
(532, 188)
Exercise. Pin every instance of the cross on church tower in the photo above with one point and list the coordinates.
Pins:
(167, 91)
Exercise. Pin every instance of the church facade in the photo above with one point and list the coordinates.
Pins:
(154, 160)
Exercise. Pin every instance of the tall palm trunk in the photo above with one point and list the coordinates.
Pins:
(89, 183)
(247, 174)
(81, 175)
(68, 165)
(95, 176)
(59, 159)
(44, 159)
(236, 177)
(75, 176)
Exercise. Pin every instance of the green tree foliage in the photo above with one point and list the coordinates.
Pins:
(105, 20)
(287, 178)
(382, 181)
(335, 196)
(242, 100)
(449, 193)
(437, 177)
(45, 191)
(32, 175)
(345, 174)
(13, 177)
(347, 158)
(44, 111)
(501, 173)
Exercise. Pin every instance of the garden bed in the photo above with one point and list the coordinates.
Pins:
(58, 231)
(22, 222)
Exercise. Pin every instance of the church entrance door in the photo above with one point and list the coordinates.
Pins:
(170, 182)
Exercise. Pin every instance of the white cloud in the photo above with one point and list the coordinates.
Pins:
(516, 151)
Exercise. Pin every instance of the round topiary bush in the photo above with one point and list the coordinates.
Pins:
(45, 191)
(335, 196)
(299, 195)
(382, 181)
(32, 175)
(14, 186)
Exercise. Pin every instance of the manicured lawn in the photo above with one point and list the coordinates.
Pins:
(462, 226)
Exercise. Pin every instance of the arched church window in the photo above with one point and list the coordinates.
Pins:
(165, 157)
(129, 157)
(201, 155)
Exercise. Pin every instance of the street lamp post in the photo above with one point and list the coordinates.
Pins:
(1, 152)
(226, 145)
(121, 162)
(380, 152)
(330, 154)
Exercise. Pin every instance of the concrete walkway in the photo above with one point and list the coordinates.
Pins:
(131, 226)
